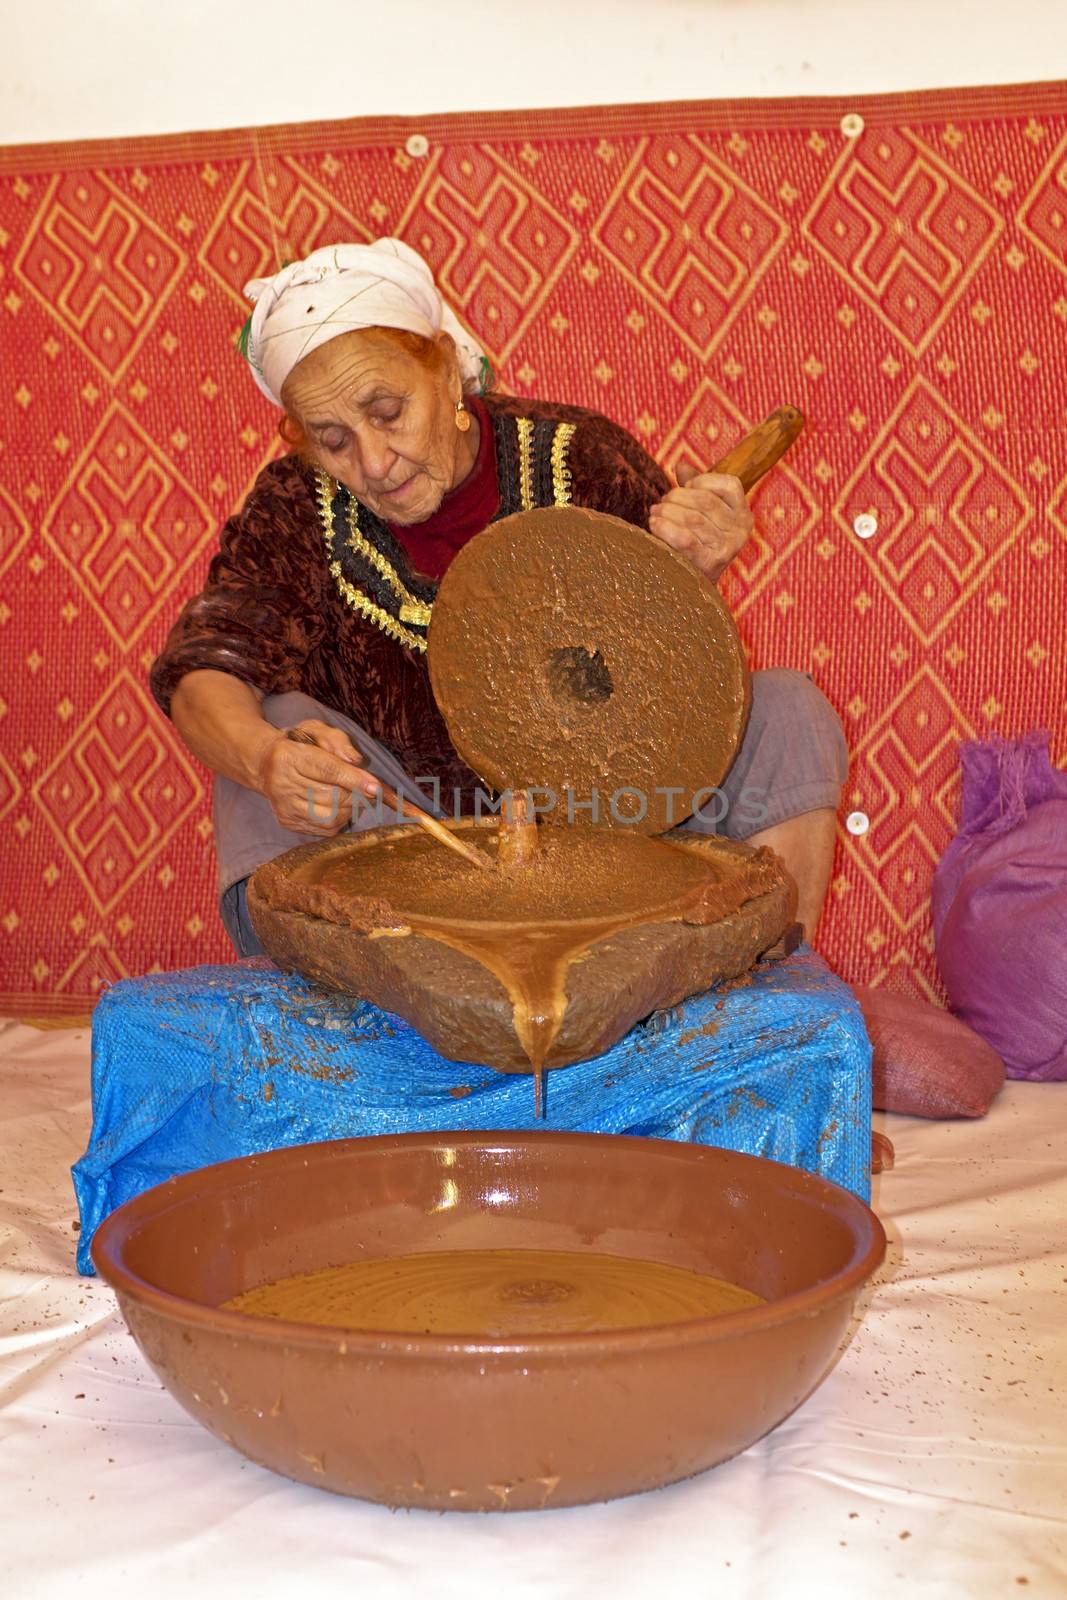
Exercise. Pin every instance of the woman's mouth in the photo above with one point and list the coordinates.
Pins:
(400, 490)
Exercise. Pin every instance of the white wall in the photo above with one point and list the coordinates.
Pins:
(75, 69)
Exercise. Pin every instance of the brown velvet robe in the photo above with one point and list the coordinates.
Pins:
(273, 614)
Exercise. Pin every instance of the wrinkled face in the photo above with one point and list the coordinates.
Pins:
(382, 422)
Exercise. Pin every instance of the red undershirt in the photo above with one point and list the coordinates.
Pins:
(462, 513)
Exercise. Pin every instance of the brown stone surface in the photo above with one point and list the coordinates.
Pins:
(461, 1008)
(571, 651)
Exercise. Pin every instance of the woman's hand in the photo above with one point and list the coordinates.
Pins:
(706, 519)
(310, 790)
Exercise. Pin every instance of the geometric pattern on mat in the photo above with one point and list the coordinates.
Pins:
(897, 267)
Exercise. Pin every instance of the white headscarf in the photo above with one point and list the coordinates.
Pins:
(341, 288)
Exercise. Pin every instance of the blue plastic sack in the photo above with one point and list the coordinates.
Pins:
(200, 1066)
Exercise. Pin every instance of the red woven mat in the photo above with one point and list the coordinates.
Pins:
(896, 267)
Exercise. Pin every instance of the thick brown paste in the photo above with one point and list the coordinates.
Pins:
(503, 1293)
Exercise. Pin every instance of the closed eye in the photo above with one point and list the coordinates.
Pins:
(386, 415)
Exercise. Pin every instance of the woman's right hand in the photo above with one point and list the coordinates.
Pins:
(310, 789)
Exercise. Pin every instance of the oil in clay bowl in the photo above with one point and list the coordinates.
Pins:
(483, 1420)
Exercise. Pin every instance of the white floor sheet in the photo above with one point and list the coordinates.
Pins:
(932, 1461)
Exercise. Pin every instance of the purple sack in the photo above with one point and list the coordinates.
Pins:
(1000, 905)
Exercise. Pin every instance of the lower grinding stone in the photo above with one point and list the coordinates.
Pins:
(461, 1008)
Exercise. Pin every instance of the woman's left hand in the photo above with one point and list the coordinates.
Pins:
(706, 519)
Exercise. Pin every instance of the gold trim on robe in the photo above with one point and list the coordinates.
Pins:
(561, 472)
(525, 430)
(412, 610)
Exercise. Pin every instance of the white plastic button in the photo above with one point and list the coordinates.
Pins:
(857, 822)
(417, 145)
(865, 526)
(852, 125)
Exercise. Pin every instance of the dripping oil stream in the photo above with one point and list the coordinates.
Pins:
(527, 923)
(532, 964)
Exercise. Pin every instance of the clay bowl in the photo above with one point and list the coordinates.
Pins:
(455, 1423)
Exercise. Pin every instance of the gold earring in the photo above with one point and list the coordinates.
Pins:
(463, 417)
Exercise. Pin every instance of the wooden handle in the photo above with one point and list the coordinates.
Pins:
(763, 448)
(407, 809)
(436, 829)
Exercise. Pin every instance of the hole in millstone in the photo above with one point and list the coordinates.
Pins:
(577, 676)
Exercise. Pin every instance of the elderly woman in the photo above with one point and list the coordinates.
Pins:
(315, 610)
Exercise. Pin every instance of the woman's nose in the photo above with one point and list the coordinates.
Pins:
(376, 457)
